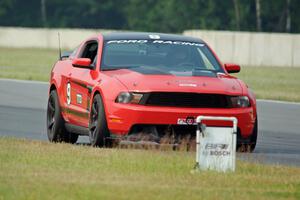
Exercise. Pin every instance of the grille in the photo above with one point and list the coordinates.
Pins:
(193, 100)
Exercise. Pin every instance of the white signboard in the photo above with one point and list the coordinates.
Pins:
(216, 146)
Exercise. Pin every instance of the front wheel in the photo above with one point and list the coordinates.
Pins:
(249, 146)
(98, 130)
(253, 138)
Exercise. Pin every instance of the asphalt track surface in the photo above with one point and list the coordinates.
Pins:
(23, 114)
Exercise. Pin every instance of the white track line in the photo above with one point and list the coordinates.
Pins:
(24, 81)
(276, 101)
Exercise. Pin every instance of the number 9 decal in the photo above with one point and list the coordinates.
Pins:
(68, 93)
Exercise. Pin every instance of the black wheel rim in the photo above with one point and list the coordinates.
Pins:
(94, 120)
(51, 114)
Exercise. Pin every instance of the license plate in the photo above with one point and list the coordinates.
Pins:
(186, 121)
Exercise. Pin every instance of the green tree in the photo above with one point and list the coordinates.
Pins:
(86, 14)
(20, 13)
(154, 15)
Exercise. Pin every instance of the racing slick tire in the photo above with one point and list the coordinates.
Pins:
(98, 130)
(56, 130)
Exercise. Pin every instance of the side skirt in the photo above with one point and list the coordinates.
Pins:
(79, 130)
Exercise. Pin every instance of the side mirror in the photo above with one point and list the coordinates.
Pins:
(232, 68)
(82, 63)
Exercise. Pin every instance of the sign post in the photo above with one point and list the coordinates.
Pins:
(216, 146)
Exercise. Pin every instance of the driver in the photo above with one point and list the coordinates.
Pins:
(177, 55)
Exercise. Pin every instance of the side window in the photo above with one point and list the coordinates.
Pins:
(206, 60)
(207, 63)
(73, 54)
(90, 51)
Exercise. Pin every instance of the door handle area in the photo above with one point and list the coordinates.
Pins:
(70, 74)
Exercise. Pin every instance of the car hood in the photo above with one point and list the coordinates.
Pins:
(138, 82)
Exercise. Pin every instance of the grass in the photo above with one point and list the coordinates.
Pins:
(40, 170)
(277, 83)
(27, 64)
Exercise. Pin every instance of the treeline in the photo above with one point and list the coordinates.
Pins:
(155, 15)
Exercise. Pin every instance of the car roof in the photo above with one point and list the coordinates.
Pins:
(146, 36)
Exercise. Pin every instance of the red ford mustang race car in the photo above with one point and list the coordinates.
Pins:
(119, 84)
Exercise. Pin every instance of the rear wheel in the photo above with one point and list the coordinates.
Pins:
(98, 130)
(55, 123)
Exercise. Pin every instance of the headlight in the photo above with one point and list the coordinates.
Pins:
(240, 102)
(129, 97)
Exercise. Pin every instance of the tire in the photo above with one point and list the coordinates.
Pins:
(56, 131)
(253, 138)
(249, 146)
(98, 130)
(70, 137)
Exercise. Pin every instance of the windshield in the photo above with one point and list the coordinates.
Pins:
(160, 57)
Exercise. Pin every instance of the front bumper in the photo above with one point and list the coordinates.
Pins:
(121, 117)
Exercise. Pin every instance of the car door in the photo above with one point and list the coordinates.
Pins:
(81, 85)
